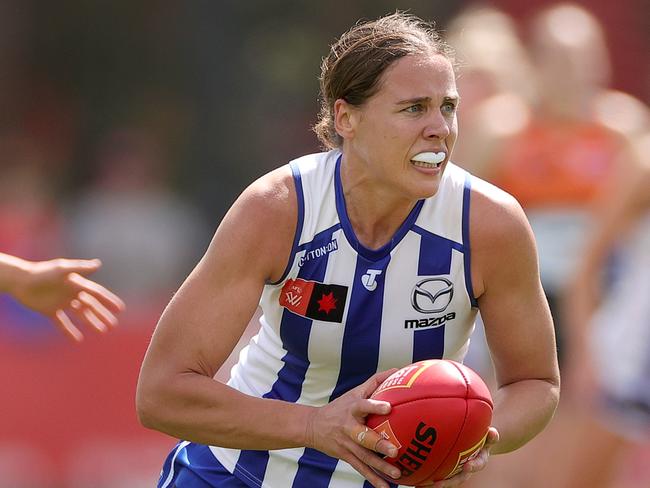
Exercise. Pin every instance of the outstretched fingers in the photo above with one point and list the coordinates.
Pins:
(93, 305)
(78, 265)
(87, 316)
(63, 323)
(107, 298)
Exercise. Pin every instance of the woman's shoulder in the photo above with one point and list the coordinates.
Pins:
(270, 201)
(501, 240)
(496, 216)
(274, 186)
(258, 229)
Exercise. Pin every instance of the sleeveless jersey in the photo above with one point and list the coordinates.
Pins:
(343, 312)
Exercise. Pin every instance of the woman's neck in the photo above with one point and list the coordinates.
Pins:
(374, 209)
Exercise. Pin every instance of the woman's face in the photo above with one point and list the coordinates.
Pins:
(404, 134)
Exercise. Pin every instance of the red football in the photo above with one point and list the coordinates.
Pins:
(440, 415)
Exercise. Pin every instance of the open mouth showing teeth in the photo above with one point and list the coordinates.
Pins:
(429, 159)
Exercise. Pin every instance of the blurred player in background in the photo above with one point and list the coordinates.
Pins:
(559, 164)
(560, 129)
(58, 290)
(557, 149)
(337, 247)
(554, 154)
(608, 312)
(483, 36)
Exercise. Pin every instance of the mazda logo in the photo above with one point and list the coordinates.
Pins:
(432, 295)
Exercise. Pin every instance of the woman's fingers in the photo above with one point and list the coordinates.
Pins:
(367, 406)
(88, 317)
(363, 469)
(368, 438)
(457, 480)
(369, 464)
(365, 436)
(109, 299)
(366, 444)
(360, 446)
(369, 387)
(492, 437)
(477, 463)
(77, 265)
(98, 309)
(63, 323)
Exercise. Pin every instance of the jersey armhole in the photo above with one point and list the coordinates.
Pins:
(297, 180)
(467, 262)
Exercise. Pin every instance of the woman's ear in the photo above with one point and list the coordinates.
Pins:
(345, 118)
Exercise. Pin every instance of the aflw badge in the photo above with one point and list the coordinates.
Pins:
(314, 300)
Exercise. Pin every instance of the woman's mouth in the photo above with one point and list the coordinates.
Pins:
(429, 159)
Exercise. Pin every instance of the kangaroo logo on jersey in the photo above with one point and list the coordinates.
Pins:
(368, 280)
(314, 300)
(432, 295)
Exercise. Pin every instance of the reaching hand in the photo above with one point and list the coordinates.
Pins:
(57, 289)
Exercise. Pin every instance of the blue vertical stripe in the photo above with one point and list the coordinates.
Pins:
(297, 179)
(294, 331)
(435, 259)
(359, 359)
(467, 193)
(360, 350)
(193, 466)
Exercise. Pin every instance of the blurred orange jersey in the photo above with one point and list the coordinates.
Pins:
(561, 164)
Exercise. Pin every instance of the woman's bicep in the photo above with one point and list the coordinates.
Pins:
(206, 317)
(518, 323)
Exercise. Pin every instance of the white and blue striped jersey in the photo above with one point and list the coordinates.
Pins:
(343, 312)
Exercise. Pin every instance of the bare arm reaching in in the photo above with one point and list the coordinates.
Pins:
(59, 290)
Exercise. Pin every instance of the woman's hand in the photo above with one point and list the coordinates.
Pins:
(475, 464)
(338, 429)
(57, 289)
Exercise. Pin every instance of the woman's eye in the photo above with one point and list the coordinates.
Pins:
(449, 107)
(413, 109)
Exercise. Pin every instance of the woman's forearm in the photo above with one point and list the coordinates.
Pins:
(11, 271)
(197, 408)
(521, 410)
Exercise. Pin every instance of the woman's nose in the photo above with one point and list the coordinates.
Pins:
(437, 126)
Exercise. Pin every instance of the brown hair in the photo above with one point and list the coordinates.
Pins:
(352, 70)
